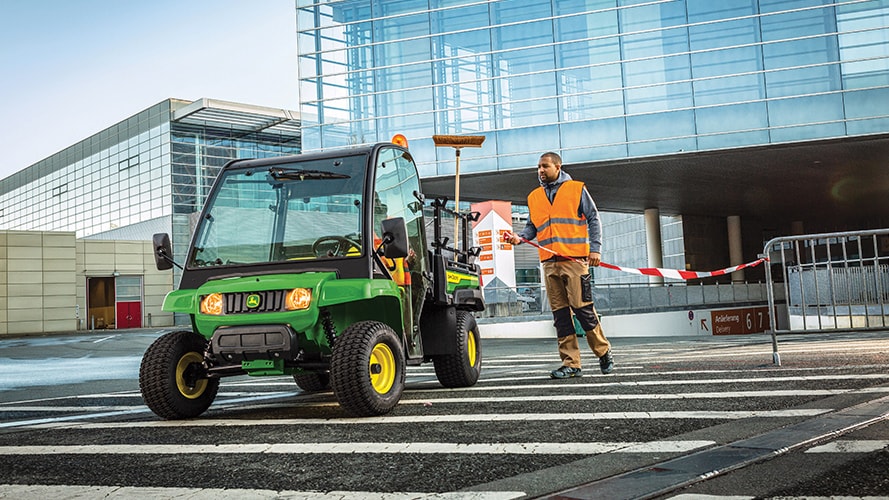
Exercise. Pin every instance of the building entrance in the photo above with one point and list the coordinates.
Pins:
(114, 302)
(100, 303)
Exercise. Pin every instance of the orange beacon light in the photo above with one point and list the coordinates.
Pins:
(399, 140)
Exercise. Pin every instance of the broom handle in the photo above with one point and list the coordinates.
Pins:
(457, 204)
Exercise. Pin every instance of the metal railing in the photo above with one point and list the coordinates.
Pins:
(630, 298)
(831, 281)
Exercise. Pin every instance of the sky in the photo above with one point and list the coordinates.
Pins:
(71, 68)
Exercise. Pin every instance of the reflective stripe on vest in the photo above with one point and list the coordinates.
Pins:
(559, 228)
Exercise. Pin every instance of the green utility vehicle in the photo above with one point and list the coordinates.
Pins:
(318, 266)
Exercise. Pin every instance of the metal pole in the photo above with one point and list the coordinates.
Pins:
(457, 220)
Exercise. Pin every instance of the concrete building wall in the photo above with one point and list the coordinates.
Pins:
(39, 283)
(108, 258)
(44, 277)
(4, 315)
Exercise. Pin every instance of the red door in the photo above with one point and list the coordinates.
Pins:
(129, 315)
(128, 297)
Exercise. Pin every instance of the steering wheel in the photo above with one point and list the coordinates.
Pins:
(333, 246)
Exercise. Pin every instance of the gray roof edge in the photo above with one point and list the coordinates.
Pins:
(207, 103)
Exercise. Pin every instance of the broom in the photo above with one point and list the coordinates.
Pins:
(457, 142)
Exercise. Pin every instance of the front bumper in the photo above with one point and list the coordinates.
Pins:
(236, 344)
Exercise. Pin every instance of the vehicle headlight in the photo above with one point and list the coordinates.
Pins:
(212, 304)
(298, 298)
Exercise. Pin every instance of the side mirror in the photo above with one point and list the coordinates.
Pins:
(163, 251)
(394, 238)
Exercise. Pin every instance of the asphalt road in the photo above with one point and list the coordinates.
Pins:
(679, 417)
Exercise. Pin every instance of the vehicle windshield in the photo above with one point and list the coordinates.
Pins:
(288, 212)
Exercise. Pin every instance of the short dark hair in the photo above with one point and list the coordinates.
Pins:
(552, 156)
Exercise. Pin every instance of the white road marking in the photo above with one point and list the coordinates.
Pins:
(600, 397)
(132, 410)
(696, 496)
(462, 418)
(785, 349)
(245, 399)
(128, 492)
(484, 399)
(681, 395)
(638, 383)
(65, 409)
(353, 447)
(850, 446)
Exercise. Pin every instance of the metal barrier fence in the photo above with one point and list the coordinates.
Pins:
(830, 281)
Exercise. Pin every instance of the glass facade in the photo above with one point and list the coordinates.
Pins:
(149, 168)
(593, 80)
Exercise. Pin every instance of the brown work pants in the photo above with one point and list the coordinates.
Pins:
(569, 290)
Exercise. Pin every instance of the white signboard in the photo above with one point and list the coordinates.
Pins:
(496, 259)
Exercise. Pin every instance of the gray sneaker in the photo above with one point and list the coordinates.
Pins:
(565, 372)
(606, 363)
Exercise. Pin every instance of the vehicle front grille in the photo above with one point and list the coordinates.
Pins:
(269, 301)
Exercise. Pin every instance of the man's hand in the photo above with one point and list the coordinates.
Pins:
(595, 259)
(515, 240)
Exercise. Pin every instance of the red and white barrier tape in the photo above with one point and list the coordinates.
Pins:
(679, 274)
(655, 271)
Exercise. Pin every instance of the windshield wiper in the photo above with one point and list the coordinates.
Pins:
(293, 174)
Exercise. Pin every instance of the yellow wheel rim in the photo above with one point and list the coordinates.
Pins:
(470, 346)
(184, 389)
(382, 368)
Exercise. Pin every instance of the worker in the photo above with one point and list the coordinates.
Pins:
(564, 219)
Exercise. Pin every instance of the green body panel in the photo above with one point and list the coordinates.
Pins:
(458, 279)
(180, 301)
(348, 301)
(262, 367)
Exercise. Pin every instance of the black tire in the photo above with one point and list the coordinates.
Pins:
(367, 369)
(173, 382)
(312, 381)
(463, 368)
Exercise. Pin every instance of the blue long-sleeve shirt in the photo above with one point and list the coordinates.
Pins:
(587, 208)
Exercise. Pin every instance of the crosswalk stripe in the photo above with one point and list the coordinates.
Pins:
(681, 395)
(127, 492)
(64, 409)
(607, 397)
(850, 446)
(501, 399)
(354, 447)
(634, 383)
(744, 352)
(448, 418)
(696, 496)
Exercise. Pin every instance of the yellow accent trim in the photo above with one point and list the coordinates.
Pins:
(470, 346)
(384, 378)
(183, 364)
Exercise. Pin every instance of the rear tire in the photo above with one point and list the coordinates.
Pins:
(463, 368)
(367, 369)
(312, 381)
(172, 378)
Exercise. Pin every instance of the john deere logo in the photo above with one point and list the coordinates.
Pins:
(253, 301)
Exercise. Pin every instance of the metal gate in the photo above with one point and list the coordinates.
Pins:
(829, 281)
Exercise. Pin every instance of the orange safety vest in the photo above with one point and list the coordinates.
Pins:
(397, 267)
(559, 228)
